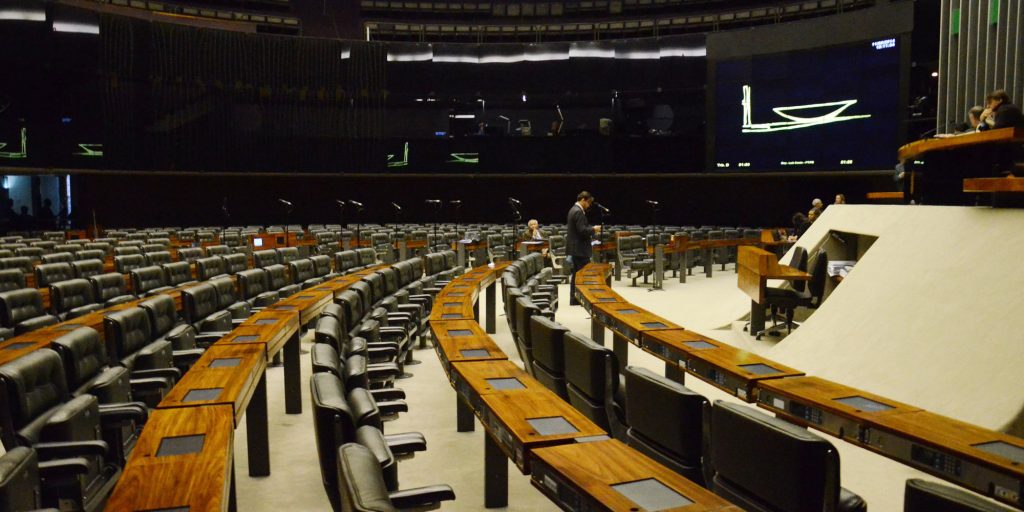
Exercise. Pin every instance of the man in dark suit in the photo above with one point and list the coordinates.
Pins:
(1000, 112)
(577, 238)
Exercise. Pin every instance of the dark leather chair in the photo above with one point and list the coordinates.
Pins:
(235, 263)
(122, 250)
(58, 257)
(765, 464)
(49, 273)
(129, 339)
(363, 489)
(549, 354)
(263, 259)
(665, 420)
(46, 418)
(22, 311)
(593, 382)
(217, 250)
(17, 262)
(105, 247)
(85, 366)
(227, 299)
(87, 268)
(151, 247)
(367, 256)
(12, 279)
(380, 356)
(211, 267)
(345, 261)
(148, 281)
(190, 254)
(322, 266)
(177, 274)
(20, 487)
(254, 288)
(286, 255)
(278, 280)
(158, 258)
(73, 298)
(926, 496)
(202, 310)
(34, 254)
(165, 325)
(303, 272)
(789, 299)
(128, 262)
(110, 289)
(90, 254)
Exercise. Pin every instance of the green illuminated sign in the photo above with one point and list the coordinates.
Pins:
(16, 154)
(93, 150)
(400, 163)
(465, 158)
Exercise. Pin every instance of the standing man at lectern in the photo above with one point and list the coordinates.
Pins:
(577, 238)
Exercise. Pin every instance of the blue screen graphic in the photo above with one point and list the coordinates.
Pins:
(831, 108)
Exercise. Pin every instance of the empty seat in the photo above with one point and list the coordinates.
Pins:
(227, 298)
(201, 309)
(367, 256)
(322, 266)
(11, 279)
(110, 289)
(177, 274)
(158, 257)
(73, 298)
(254, 288)
(58, 257)
(286, 255)
(190, 254)
(278, 280)
(128, 262)
(87, 268)
(345, 261)
(665, 421)
(362, 486)
(122, 250)
(765, 464)
(548, 354)
(105, 247)
(49, 273)
(235, 263)
(149, 248)
(165, 325)
(263, 259)
(926, 496)
(210, 268)
(148, 280)
(20, 487)
(217, 250)
(90, 254)
(593, 382)
(22, 311)
(303, 273)
(129, 338)
(34, 254)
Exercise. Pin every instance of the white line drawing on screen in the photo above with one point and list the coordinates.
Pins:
(796, 122)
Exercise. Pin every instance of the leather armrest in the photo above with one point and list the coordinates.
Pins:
(383, 372)
(150, 384)
(406, 444)
(167, 373)
(63, 450)
(387, 394)
(124, 412)
(187, 357)
(421, 496)
(59, 469)
(235, 322)
(210, 337)
(392, 407)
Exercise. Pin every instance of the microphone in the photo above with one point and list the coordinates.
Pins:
(514, 202)
(455, 202)
(355, 203)
(341, 202)
(285, 202)
(601, 207)
(395, 206)
(432, 201)
(652, 202)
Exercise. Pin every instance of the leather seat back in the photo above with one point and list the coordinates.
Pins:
(34, 254)
(87, 268)
(353, 304)
(125, 332)
(301, 269)
(49, 273)
(277, 276)
(549, 353)
(16, 306)
(19, 480)
(198, 302)
(122, 250)
(209, 267)
(226, 294)
(761, 463)
(585, 376)
(90, 254)
(345, 260)
(328, 330)
(158, 257)
(665, 420)
(162, 314)
(263, 259)
(106, 247)
(286, 255)
(525, 310)
(190, 254)
(376, 282)
(333, 425)
(84, 357)
(235, 263)
(108, 286)
(128, 262)
(36, 384)
(252, 283)
(17, 262)
(58, 257)
(176, 273)
(367, 256)
(926, 496)
(149, 248)
(217, 250)
(11, 279)
(321, 265)
(361, 482)
(145, 279)
(68, 295)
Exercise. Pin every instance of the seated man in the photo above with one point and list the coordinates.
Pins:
(533, 231)
(1000, 112)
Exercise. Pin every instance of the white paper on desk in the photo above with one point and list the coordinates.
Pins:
(465, 241)
(532, 242)
(595, 242)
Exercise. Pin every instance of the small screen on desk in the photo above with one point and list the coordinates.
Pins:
(1003, 449)
(257, 242)
(651, 494)
(864, 404)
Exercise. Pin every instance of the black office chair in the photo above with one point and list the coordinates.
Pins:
(73, 298)
(926, 496)
(278, 280)
(254, 288)
(304, 273)
(665, 421)
(211, 267)
(87, 268)
(263, 259)
(160, 257)
(549, 354)
(130, 343)
(345, 261)
(764, 464)
(110, 289)
(791, 298)
(49, 273)
(128, 262)
(202, 310)
(148, 281)
(362, 486)
(235, 263)
(177, 274)
(20, 487)
(12, 279)
(165, 326)
(593, 382)
(22, 311)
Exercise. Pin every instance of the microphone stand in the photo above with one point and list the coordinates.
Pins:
(516, 218)
(287, 216)
(657, 241)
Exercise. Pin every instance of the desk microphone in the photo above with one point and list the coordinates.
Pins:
(285, 202)
(341, 202)
(652, 202)
(601, 207)
(455, 202)
(395, 206)
(355, 203)
(432, 201)
(515, 202)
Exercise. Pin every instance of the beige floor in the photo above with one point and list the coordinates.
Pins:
(455, 458)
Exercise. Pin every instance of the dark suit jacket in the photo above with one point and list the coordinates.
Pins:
(1008, 115)
(578, 233)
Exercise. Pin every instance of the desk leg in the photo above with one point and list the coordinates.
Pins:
(675, 373)
(596, 331)
(620, 346)
(708, 264)
(464, 419)
(292, 376)
(684, 266)
(492, 312)
(232, 494)
(256, 427)
(756, 318)
(495, 475)
(476, 311)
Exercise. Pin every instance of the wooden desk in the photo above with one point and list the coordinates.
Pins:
(942, 446)
(462, 340)
(994, 185)
(1001, 136)
(452, 308)
(473, 379)
(584, 476)
(480, 278)
(200, 481)
(754, 268)
(728, 368)
(274, 330)
(308, 303)
(626, 321)
(590, 294)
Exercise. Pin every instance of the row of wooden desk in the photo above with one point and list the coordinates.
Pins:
(569, 458)
(985, 461)
(184, 456)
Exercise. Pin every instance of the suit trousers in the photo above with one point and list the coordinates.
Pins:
(578, 262)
